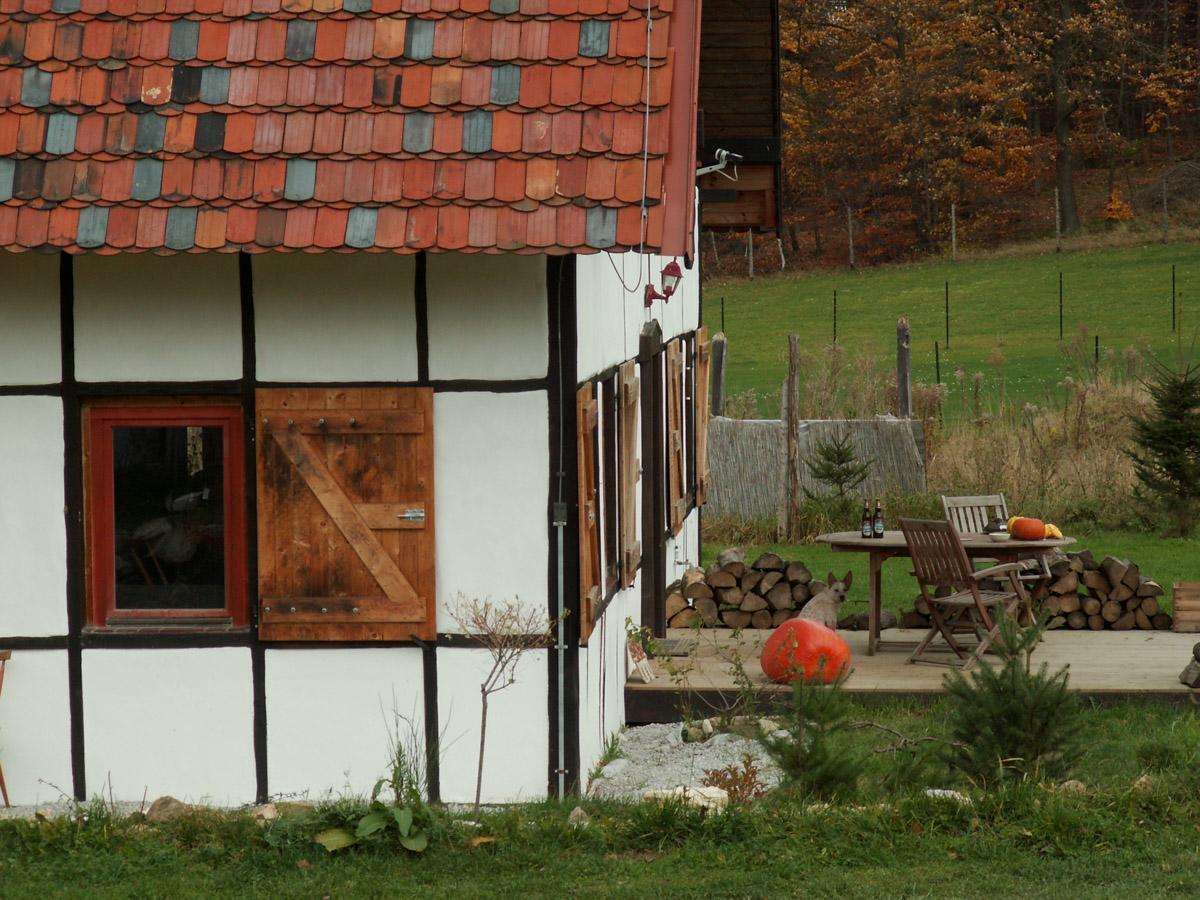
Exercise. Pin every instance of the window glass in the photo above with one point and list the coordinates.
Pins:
(169, 517)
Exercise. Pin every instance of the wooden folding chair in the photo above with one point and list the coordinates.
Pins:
(5, 656)
(970, 515)
(939, 561)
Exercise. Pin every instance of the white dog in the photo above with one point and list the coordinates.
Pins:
(824, 606)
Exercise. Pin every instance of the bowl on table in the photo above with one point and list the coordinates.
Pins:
(999, 536)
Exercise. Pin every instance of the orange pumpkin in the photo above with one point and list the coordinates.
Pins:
(1026, 529)
(801, 647)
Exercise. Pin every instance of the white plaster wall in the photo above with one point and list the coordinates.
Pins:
(33, 552)
(332, 713)
(683, 549)
(491, 478)
(335, 317)
(516, 754)
(487, 316)
(35, 727)
(175, 721)
(30, 352)
(603, 670)
(611, 312)
(140, 317)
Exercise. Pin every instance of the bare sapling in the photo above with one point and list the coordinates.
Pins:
(506, 629)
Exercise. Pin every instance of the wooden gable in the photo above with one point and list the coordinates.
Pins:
(740, 111)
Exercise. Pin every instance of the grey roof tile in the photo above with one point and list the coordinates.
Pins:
(150, 130)
(65, 6)
(357, 6)
(301, 179)
(477, 131)
(60, 133)
(504, 7)
(185, 84)
(210, 132)
(506, 84)
(93, 225)
(601, 231)
(184, 35)
(181, 227)
(593, 38)
(301, 39)
(418, 132)
(147, 179)
(214, 85)
(418, 39)
(7, 169)
(35, 87)
(360, 227)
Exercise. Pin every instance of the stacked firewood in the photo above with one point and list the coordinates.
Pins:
(1111, 594)
(1083, 594)
(732, 594)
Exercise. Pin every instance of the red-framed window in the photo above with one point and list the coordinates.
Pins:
(165, 513)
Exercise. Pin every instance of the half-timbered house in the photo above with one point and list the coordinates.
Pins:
(331, 313)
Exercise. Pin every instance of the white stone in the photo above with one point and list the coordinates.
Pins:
(944, 794)
(712, 798)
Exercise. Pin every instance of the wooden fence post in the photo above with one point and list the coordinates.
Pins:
(954, 232)
(1057, 224)
(903, 387)
(792, 412)
(718, 374)
(850, 232)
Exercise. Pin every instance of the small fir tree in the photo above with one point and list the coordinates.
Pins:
(837, 465)
(813, 749)
(1167, 456)
(1008, 722)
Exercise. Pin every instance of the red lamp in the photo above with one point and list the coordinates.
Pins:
(671, 276)
(651, 295)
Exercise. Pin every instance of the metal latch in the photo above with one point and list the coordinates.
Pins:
(416, 514)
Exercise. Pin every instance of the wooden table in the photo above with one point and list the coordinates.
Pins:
(892, 544)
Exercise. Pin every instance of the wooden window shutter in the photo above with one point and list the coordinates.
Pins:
(701, 413)
(677, 493)
(609, 399)
(345, 514)
(589, 513)
(630, 471)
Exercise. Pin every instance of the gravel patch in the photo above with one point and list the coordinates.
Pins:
(56, 808)
(655, 757)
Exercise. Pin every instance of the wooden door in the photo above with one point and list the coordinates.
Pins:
(345, 514)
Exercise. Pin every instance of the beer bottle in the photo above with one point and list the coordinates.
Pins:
(866, 526)
(877, 525)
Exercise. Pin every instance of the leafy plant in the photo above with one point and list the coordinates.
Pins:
(741, 783)
(1167, 457)
(814, 752)
(405, 820)
(1011, 722)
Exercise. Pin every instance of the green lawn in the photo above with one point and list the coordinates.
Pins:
(1167, 560)
(1011, 303)
(1113, 841)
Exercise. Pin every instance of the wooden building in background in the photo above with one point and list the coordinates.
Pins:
(740, 112)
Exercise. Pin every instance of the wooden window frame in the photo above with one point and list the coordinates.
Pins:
(629, 464)
(609, 466)
(590, 575)
(673, 438)
(100, 417)
(702, 414)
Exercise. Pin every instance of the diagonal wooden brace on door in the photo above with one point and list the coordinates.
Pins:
(350, 522)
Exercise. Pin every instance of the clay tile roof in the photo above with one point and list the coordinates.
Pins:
(399, 125)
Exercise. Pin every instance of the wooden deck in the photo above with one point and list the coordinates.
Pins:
(1104, 666)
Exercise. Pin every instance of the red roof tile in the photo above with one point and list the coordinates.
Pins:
(445, 124)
